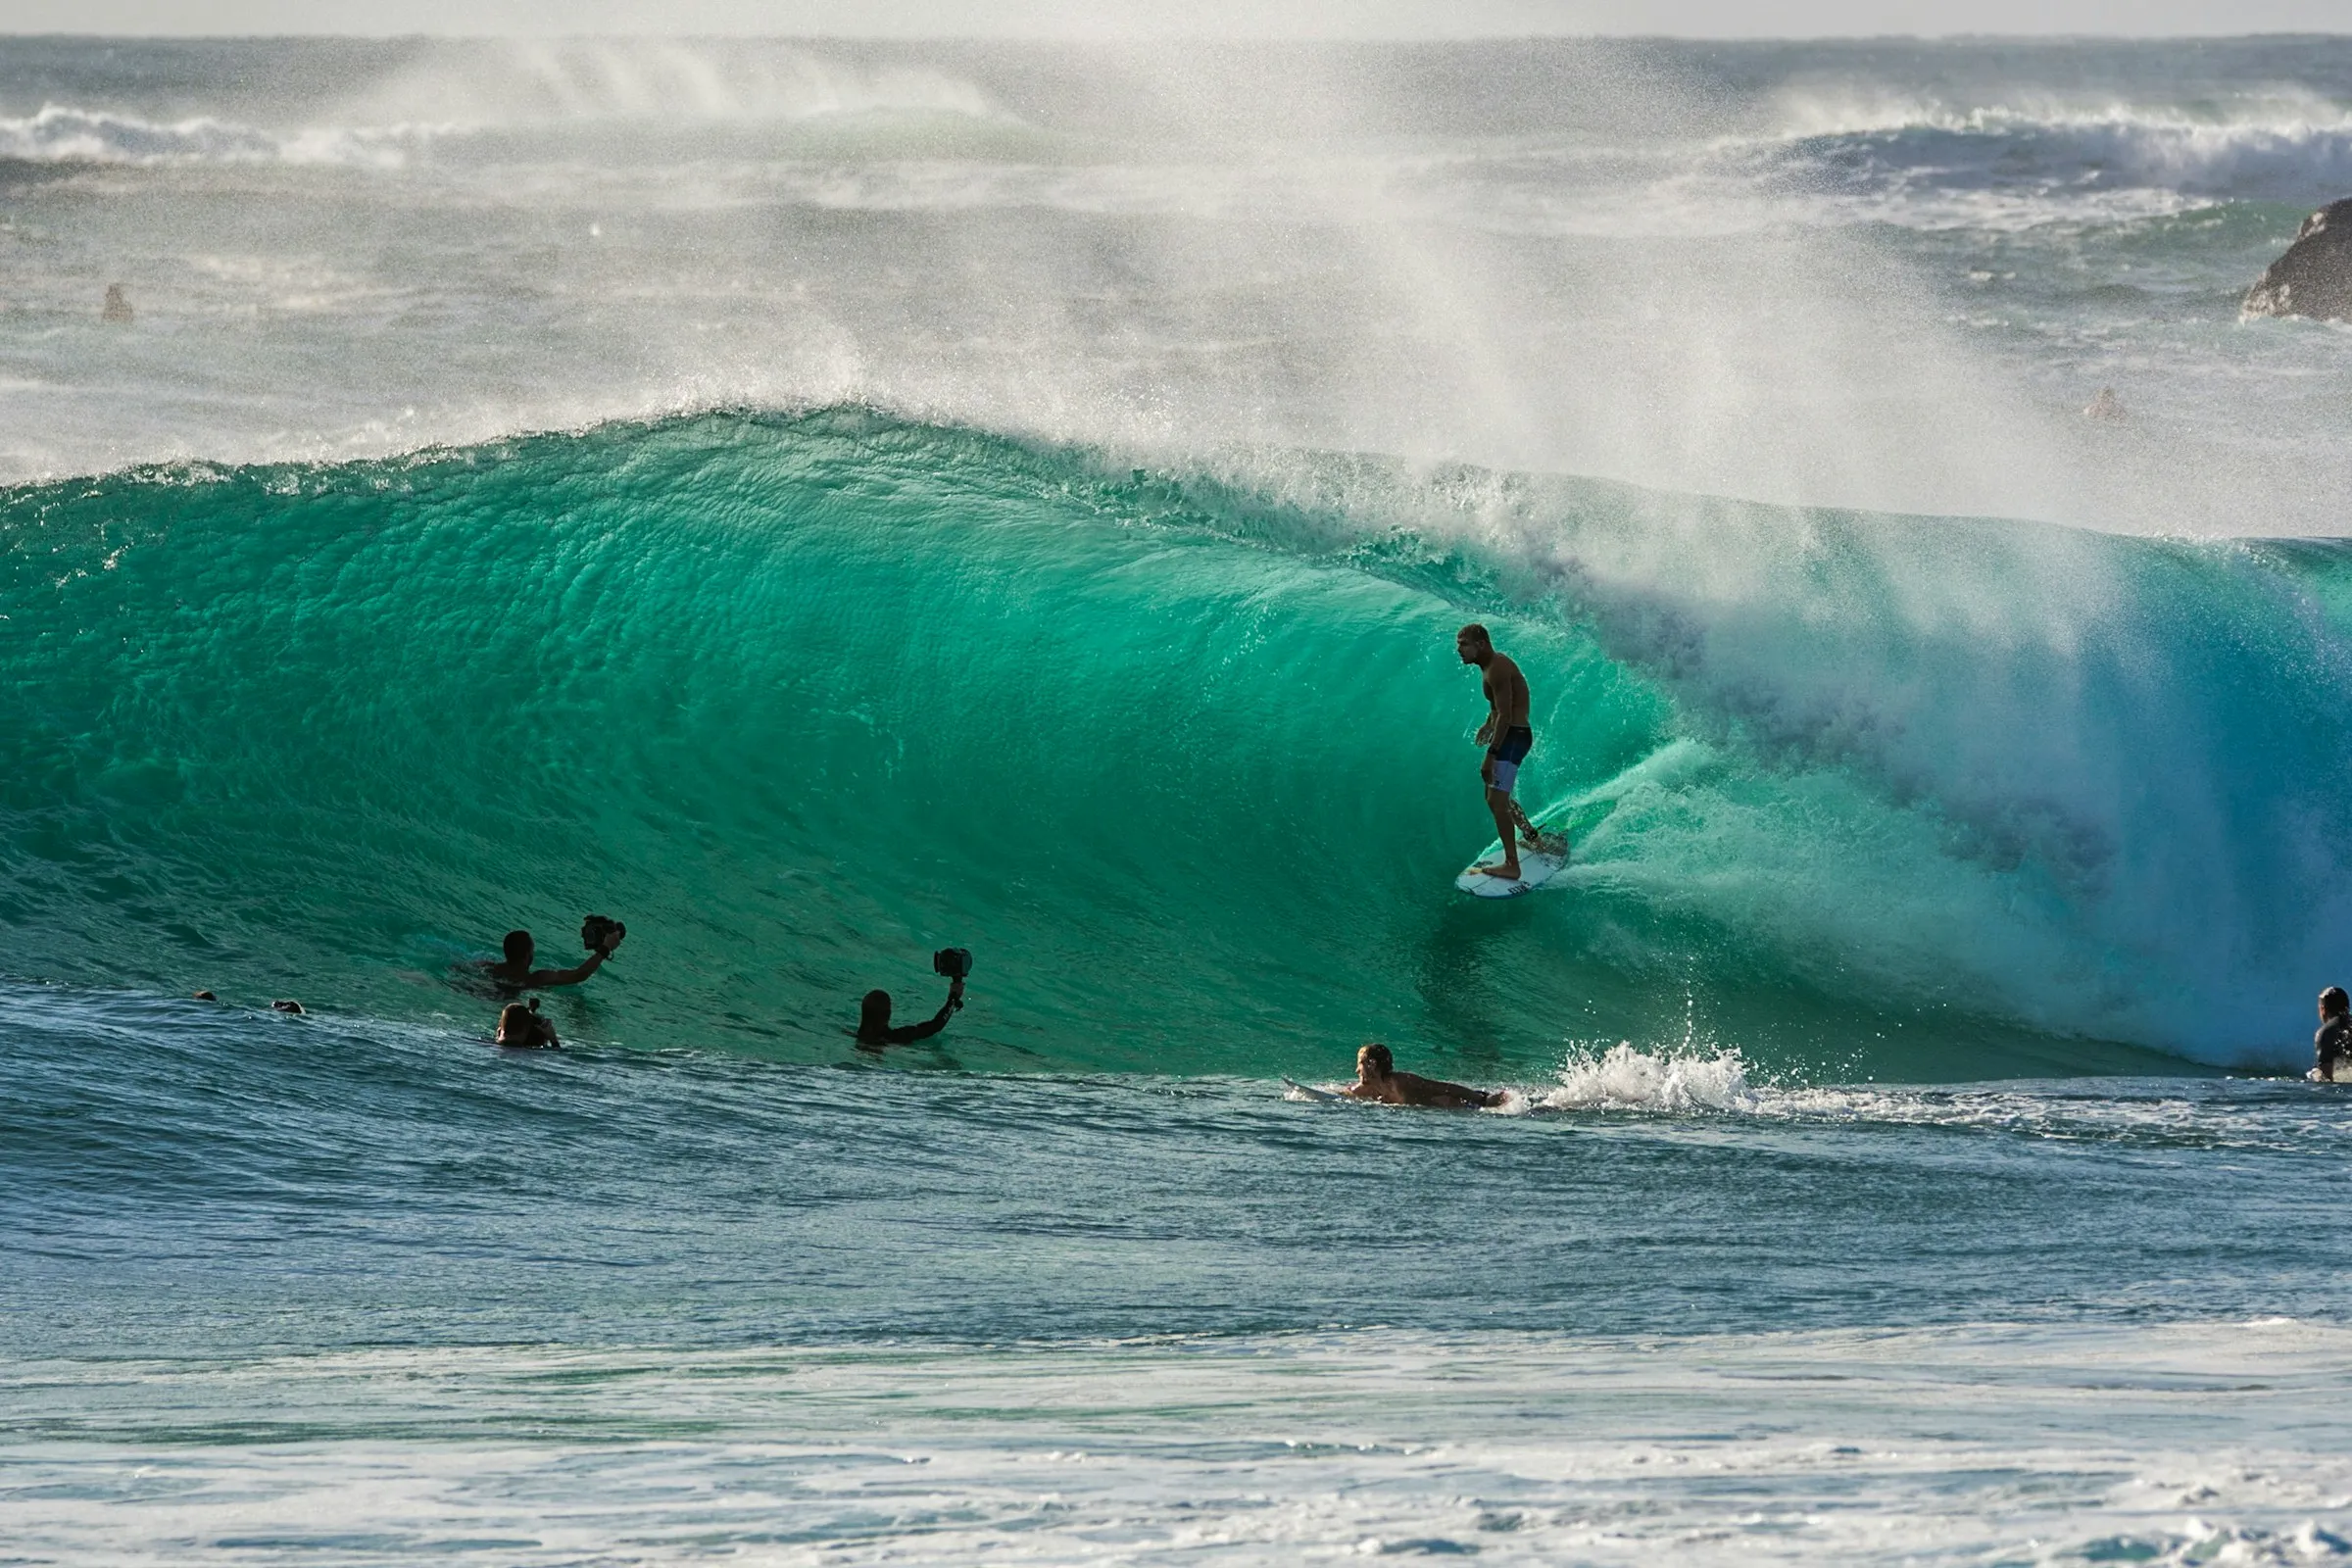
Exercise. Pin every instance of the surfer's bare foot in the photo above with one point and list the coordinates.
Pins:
(1505, 870)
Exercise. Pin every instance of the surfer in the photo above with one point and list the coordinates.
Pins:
(1377, 1078)
(873, 1029)
(599, 936)
(1507, 739)
(2334, 1042)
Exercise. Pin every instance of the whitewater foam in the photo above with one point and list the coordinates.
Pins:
(1623, 1078)
(1938, 1448)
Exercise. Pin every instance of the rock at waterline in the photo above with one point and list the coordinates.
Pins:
(2314, 278)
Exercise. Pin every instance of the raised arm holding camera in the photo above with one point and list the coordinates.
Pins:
(873, 1029)
(599, 934)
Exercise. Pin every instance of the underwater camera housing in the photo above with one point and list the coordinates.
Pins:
(954, 962)
(601, 933)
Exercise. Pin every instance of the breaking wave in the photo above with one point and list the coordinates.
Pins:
(1183, 759)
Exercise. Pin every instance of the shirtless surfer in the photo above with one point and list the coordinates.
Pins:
(1377, 1078)
(599, 934)
(1507, 739)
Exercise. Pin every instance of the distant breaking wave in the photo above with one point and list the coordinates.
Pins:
(521, 88)
(63, 135)
(2293, 152)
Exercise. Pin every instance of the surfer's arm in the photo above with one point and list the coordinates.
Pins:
(1436, 1093)
(933, 1024)
(540, 978)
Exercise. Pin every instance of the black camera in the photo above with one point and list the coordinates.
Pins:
(954, 962)
(601, 933)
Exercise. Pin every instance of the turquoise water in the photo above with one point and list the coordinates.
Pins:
(1188, 766)
(823, 504)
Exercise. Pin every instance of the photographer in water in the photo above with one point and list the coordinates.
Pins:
(599, 935)
(873, 1029)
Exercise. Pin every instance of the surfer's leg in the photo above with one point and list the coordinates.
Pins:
(1505, 808)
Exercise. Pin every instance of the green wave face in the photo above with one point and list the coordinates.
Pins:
(1186, 763)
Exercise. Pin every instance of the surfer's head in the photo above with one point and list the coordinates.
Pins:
(1473, 644)
(1373, 1064)
(519, 949)
(2333, 1003)
(873, 1013)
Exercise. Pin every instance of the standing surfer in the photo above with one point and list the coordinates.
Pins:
(1507, 739)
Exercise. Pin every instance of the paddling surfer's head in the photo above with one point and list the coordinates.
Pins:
(1373, 1064)
(2333, 1003)
(1473, 644)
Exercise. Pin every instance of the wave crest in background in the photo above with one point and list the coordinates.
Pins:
(447, 96)
(1183, 757)
(60, 133)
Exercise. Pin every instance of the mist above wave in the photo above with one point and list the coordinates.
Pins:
(1624, 261)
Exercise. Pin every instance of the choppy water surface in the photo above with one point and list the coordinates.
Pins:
(824, 504)
(326, 1290)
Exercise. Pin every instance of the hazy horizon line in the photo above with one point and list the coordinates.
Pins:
(1065, 37)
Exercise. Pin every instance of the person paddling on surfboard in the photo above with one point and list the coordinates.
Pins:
(1507, 739)
(1377, 1078)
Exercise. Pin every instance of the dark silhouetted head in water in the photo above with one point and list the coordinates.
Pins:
(2334, 1004)
(873, 1015)
(520, 949)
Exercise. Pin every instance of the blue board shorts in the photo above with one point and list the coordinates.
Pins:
(1507, 753)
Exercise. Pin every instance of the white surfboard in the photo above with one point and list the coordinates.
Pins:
(1313, 1092)
(1536, 867)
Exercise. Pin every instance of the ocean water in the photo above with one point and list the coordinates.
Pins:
(823, 502)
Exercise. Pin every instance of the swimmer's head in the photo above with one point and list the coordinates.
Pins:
(2333, 1002)
(516, 1026)
(1472, 642)
(1374, 1062)
(519, 949)
(873, 1013)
